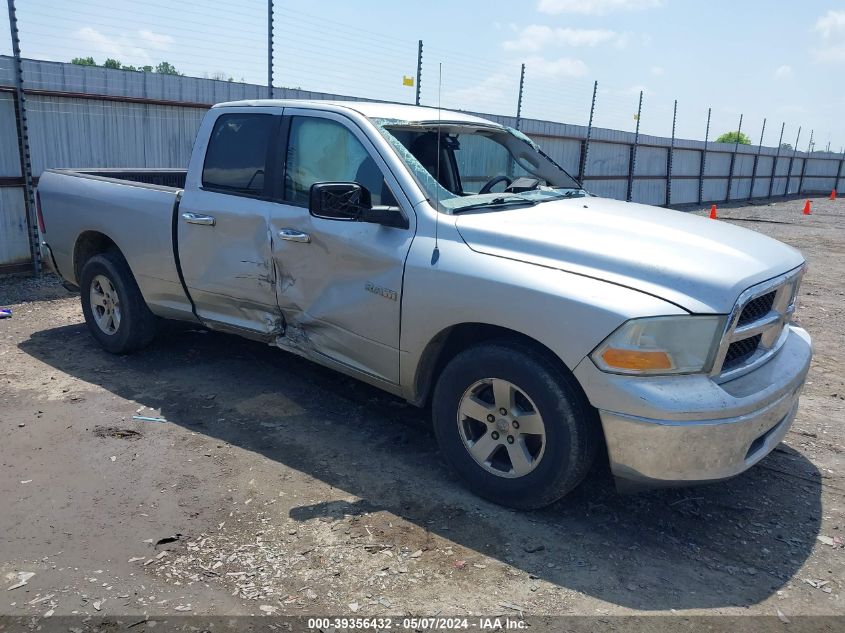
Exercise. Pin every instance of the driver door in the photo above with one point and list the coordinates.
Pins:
(339, 282)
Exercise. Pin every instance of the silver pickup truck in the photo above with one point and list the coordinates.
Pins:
(448, 260)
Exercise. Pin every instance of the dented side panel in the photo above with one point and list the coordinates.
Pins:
(340, 292)
(227, 263)
(228, 266)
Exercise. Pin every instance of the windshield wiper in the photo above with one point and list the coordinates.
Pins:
(499, 202)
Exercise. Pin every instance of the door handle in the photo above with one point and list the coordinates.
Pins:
(292, 235)
(198, 218)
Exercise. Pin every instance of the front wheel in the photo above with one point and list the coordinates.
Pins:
(514, 425)
(115, 311)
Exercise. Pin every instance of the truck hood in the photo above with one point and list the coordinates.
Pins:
(699, 264)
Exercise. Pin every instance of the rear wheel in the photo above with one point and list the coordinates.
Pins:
(115, 312)
(514, 425)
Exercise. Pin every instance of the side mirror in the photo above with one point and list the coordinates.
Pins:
(351, 202)
(338, 200)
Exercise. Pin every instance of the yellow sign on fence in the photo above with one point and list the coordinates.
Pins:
(407, 81)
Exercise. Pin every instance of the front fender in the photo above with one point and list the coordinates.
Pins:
(568, 313)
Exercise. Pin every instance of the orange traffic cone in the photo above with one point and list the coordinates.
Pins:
(833, 195)
(807, 208)
(713, 215)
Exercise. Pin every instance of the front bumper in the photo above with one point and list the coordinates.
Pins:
(679, 430)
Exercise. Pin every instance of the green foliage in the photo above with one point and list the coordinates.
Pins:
(734, 137)
(163, 68)
(786, 146)
(166, 68)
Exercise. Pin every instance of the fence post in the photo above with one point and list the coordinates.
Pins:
(733, 160)
(756, 160)
(269, 49)
(585, 146)
(419, 71)
(632, 161)
(791, 160)
(703, 162)
(519, 98)
(775, 161)
(804, 163)
(839, 172)
(669, 157)
(23, 141)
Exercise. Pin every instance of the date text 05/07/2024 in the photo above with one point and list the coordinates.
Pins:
(493, 623)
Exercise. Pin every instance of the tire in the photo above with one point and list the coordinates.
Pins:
(107, 284)
(544, 468)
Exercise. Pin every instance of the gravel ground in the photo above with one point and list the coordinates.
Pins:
(277, 487)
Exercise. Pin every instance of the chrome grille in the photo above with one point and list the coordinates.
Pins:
(756, 327)
(740, 351)
(757, 308)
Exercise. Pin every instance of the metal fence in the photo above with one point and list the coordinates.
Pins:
(88, 116)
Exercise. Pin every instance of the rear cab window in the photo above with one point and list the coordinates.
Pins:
(236, 158)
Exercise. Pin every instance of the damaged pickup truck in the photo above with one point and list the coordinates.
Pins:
(448, 260)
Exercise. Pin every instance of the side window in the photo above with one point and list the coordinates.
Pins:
(235, 160)
(322, 150)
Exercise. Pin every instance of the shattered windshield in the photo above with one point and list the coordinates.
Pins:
(463, 166)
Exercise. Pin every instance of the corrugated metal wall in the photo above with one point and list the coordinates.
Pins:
(150, 120)
(14, 244)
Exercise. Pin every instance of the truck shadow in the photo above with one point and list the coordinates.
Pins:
(728, 544)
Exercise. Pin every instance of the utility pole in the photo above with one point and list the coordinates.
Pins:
(704, 159)
(670, 156)
(733, 159)
(269, 49)
(23, 141)
(756, 160)
(810, 147)
(585, 151)
(519, 98)
(633, 158)
(419, 71)
(776, 158)
(791, 162)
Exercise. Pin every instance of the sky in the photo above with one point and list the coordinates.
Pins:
(780, 60)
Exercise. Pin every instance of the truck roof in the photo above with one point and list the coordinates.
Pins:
(370, 109)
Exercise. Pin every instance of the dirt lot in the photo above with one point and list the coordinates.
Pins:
(280, 487)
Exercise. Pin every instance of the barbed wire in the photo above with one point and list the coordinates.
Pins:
(330, 56)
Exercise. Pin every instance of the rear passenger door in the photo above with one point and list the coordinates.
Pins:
(224, 248)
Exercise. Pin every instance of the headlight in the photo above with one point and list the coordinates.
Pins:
(661, 345)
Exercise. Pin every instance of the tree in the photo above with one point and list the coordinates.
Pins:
(734, 137)
(163, 68)
(786, 146)
(166, 68)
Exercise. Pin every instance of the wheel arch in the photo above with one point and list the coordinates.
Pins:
(451, 341)
(88, 244)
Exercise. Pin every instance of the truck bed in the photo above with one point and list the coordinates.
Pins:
(167, 178)
(133, 208)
